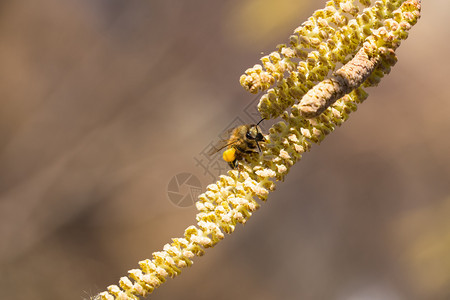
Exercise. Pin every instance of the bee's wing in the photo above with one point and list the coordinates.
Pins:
(216, 147)
(223, 142)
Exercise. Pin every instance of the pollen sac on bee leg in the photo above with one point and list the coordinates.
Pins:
(229, 155)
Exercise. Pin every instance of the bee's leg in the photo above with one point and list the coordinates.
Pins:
(239, 168)
(233, 164)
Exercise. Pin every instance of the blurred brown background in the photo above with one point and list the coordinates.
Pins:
(104, 101)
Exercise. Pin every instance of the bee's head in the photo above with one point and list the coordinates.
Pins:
(254, 134)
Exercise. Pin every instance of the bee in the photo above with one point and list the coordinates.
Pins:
(241, 140)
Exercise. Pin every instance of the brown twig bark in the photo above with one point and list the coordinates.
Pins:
(342, 82)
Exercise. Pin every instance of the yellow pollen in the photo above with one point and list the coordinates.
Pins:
(229, 155)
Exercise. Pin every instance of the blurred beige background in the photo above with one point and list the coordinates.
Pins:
(104, 101)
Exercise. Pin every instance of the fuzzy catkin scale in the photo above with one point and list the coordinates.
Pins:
(312, 98)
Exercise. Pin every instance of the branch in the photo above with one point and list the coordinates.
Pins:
(342, 82)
